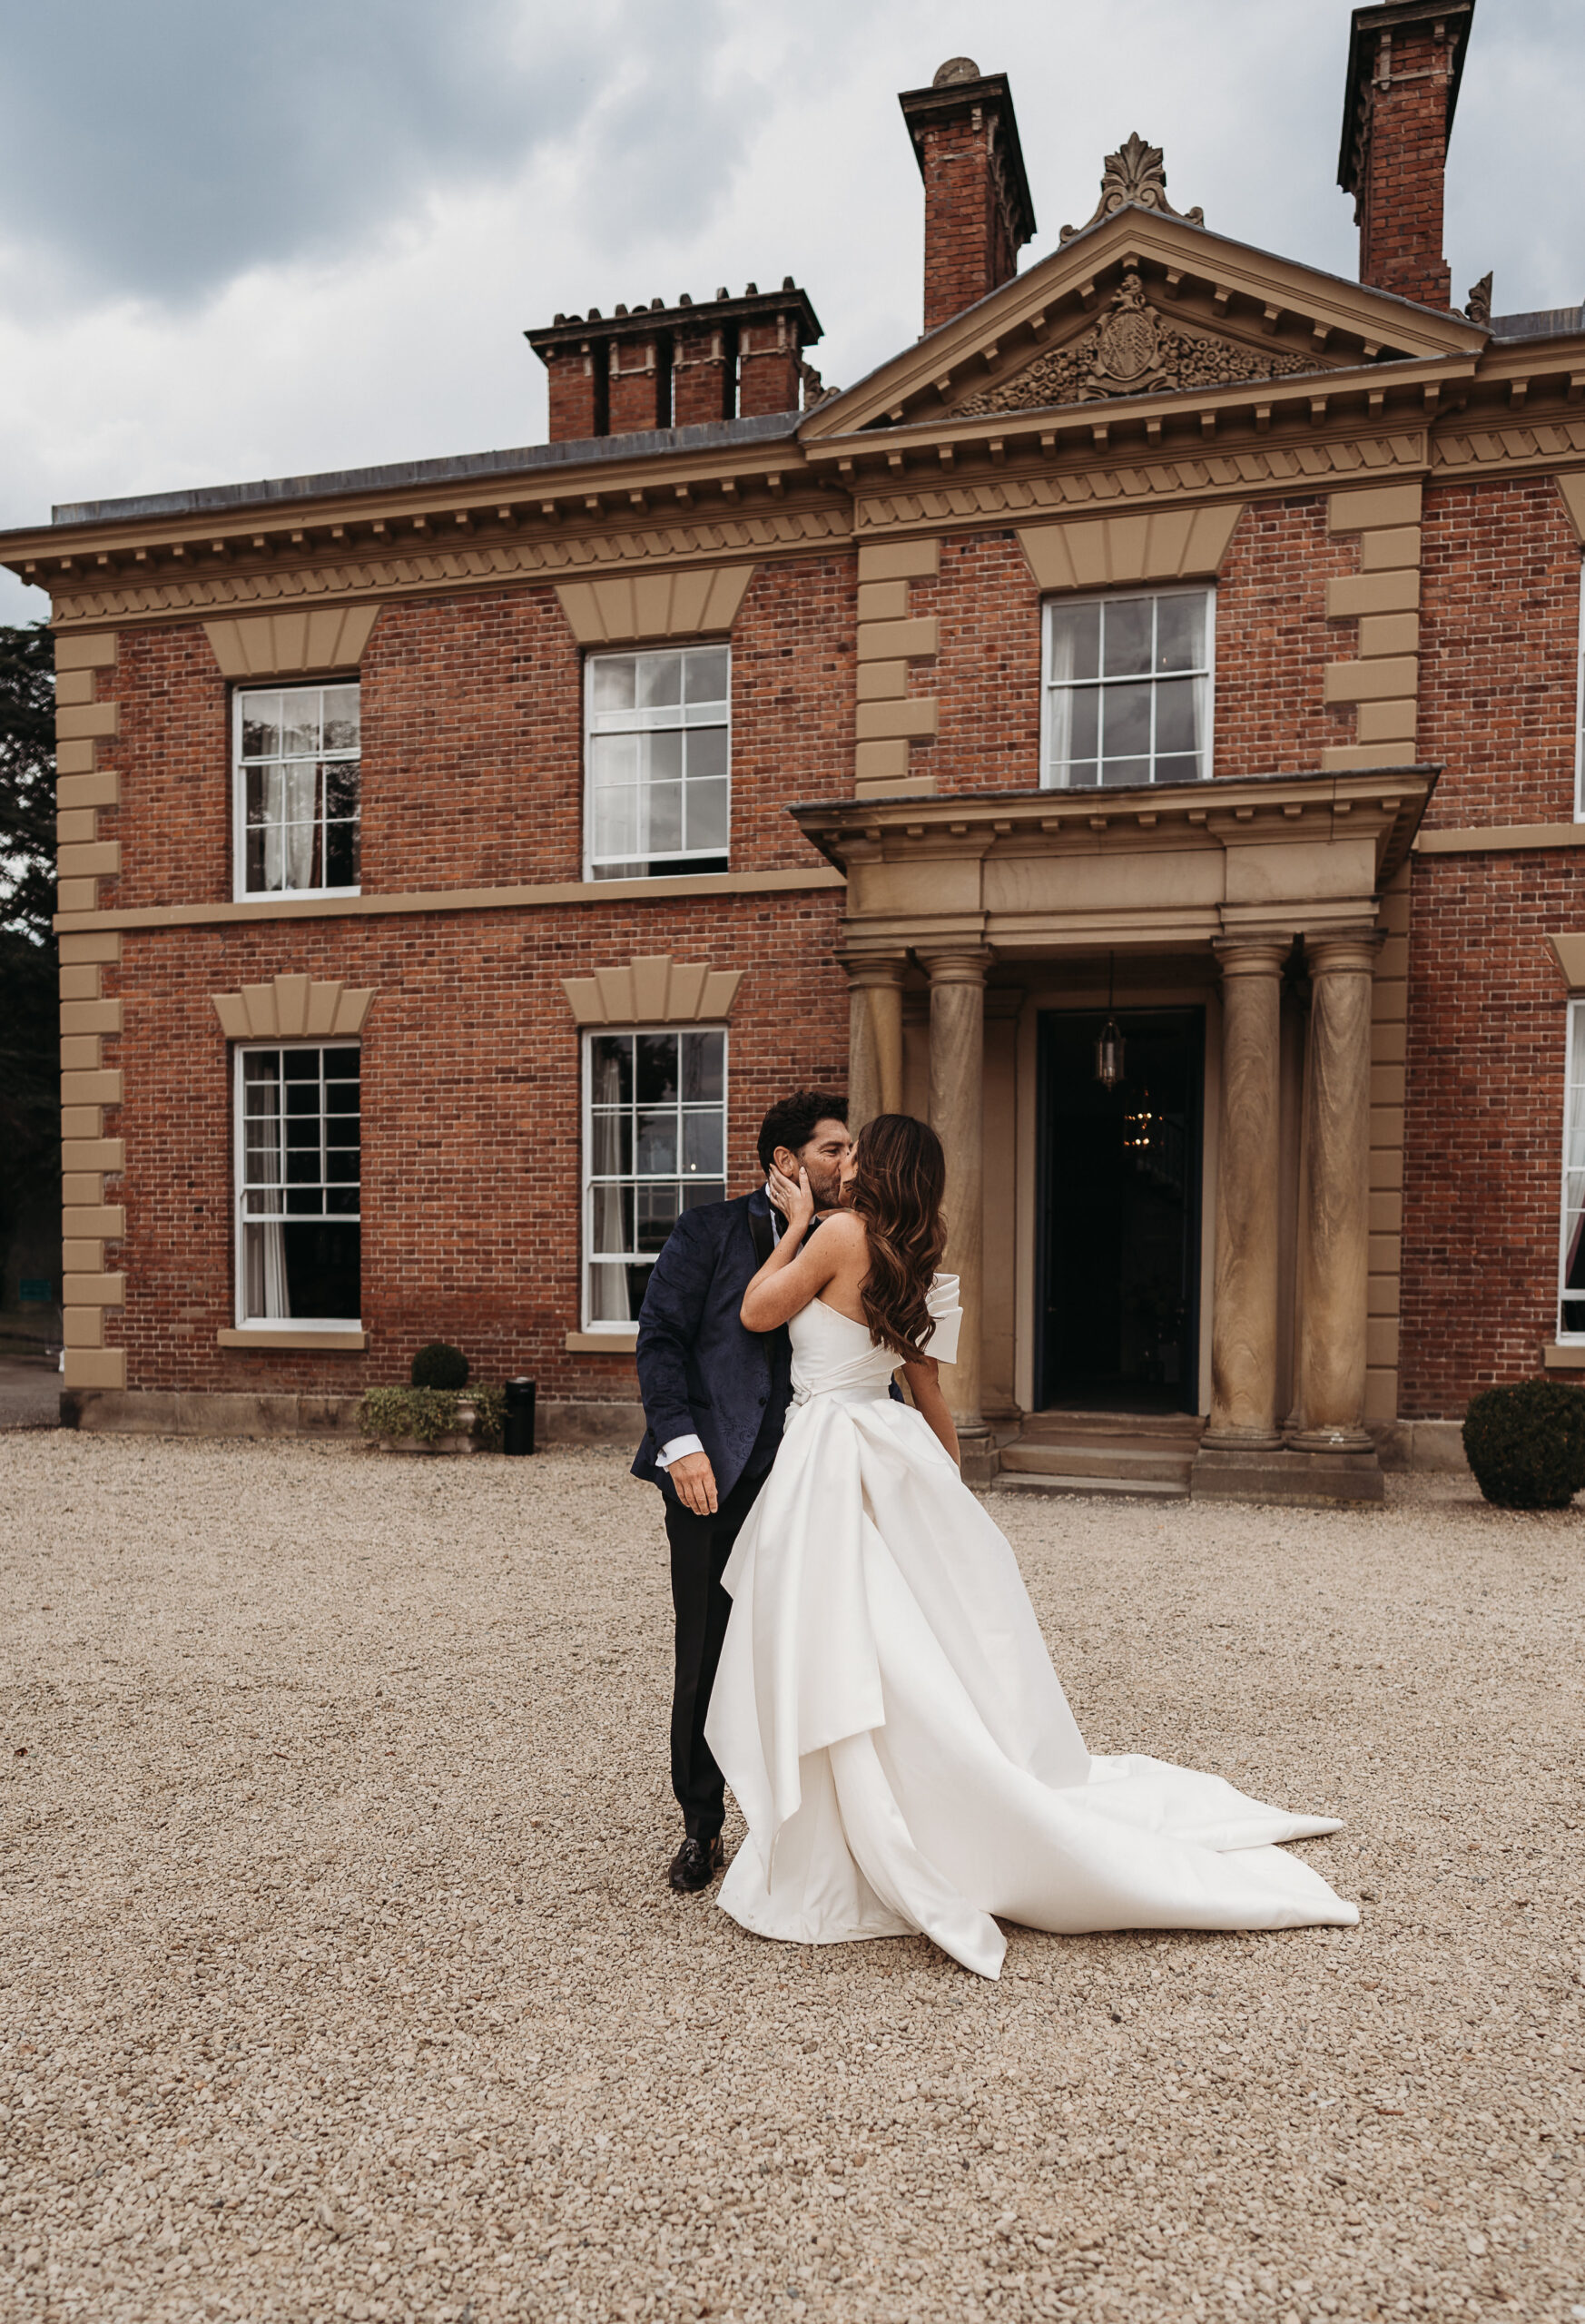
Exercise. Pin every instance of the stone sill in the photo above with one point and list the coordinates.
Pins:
(620, 1340)
(347, 1343)
(1570, 1357)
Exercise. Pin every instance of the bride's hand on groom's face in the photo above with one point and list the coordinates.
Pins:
(794, 1197)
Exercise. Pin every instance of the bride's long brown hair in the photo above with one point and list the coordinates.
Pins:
(900, 1177)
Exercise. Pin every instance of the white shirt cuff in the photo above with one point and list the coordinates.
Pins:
(675, 1450)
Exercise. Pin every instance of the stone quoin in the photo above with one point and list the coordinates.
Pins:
(455, 859)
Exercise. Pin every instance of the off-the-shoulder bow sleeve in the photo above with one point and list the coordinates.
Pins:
(942, 1299)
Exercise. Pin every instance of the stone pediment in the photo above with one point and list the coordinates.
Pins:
(1141, 301)
(1134, 350)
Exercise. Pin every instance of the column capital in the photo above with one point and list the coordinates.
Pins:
(878, 969)
(1252, 953)
(1338, 951)
(954, 964)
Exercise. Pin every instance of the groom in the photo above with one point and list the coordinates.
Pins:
(714, 1398)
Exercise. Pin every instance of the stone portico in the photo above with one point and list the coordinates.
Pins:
(1268, 903)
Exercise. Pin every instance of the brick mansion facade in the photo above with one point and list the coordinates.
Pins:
(1137, 727)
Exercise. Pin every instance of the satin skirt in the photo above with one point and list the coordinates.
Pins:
(887, 1717)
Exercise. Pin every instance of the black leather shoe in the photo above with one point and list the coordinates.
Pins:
(695, 1865)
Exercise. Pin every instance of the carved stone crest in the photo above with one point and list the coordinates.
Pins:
(1479, 310)
(1131, 351)
(1134, 174)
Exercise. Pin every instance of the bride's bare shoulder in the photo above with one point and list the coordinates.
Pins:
(845, 1230)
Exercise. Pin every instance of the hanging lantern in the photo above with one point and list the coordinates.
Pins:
(1108, 1049)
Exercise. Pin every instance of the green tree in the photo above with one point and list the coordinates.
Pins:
(30, 1121)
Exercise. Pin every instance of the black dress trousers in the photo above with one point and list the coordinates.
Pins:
(700, 1549)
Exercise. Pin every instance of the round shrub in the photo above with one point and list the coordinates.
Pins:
(1526, 1443)
(439, 1366)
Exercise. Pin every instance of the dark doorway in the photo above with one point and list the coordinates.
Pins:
(1118, 1307)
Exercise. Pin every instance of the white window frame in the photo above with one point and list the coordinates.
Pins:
(1205, 589)
(589, 1034)
(1573, 1078)
(679, 857)
(285, 1323)
(1580, 705)
(242, 893)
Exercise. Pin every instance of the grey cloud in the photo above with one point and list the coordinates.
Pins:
(158, 148)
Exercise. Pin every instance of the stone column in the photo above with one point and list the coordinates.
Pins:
(1334, 1228)
(956, 1116)
(1244, 1320)
(874, 1036)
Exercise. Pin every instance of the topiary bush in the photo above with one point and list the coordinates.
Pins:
(1526, 1443)
(439, 1366)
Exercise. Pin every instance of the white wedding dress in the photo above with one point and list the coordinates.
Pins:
(887, 1715)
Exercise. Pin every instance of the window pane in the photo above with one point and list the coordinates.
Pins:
(1125, 771)
(260, 721)
(1180, 634)
(340, 780)
(703, 1145)
(696, 1192)
(610, 1145)
(1177, 715)
(300, 1065)
(660, 680)
(657, 1067)
(1125, 721)
(340, 855)
(613, 1218)
(300, 722)
(656, 1207)
(611, 1069)
(1086, 721)
(613, 682)
(341, 718)
(1127, 627)
(663, 755)
(706, 752)
(657, 1148)
(1177, 770)
(709, 814)
(703, 1056)
(609, 1299)
(663, 819)
(705, 675)
(1075, 636)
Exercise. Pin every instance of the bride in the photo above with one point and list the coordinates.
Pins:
(885, 1709)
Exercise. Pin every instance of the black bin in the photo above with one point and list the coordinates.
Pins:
(518, 1422)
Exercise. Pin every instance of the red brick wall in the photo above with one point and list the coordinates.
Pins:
(471, 1123)
(473, 740)
(1500, 640)
(1483, 1124)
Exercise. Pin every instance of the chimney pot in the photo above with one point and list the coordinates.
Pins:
(955, 69)
(685, 299)
(724, 292)
(619, 309)
(788, 283)
(751, 291)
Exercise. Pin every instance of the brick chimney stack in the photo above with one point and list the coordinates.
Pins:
(1405, 59)
(676, 367)
(978, 211)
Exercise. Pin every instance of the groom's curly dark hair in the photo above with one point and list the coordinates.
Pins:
(792, 1121)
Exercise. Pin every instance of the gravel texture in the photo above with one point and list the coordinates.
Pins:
(338, 1976)
(30, 1394)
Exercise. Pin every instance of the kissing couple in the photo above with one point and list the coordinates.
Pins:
(856, 1654)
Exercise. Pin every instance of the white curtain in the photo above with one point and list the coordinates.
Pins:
(1574, 1165)
(267, 1291)
(1059, 702)
(291, 804)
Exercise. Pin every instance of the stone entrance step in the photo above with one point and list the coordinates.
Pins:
(1150, 1454)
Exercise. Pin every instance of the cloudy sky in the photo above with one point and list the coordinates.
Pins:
(250, 238)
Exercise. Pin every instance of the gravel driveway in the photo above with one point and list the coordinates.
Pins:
(340, 1977)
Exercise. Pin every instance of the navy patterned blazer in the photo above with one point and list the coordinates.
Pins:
(700, 1373)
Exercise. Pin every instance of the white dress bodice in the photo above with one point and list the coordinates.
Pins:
(833, 1355)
